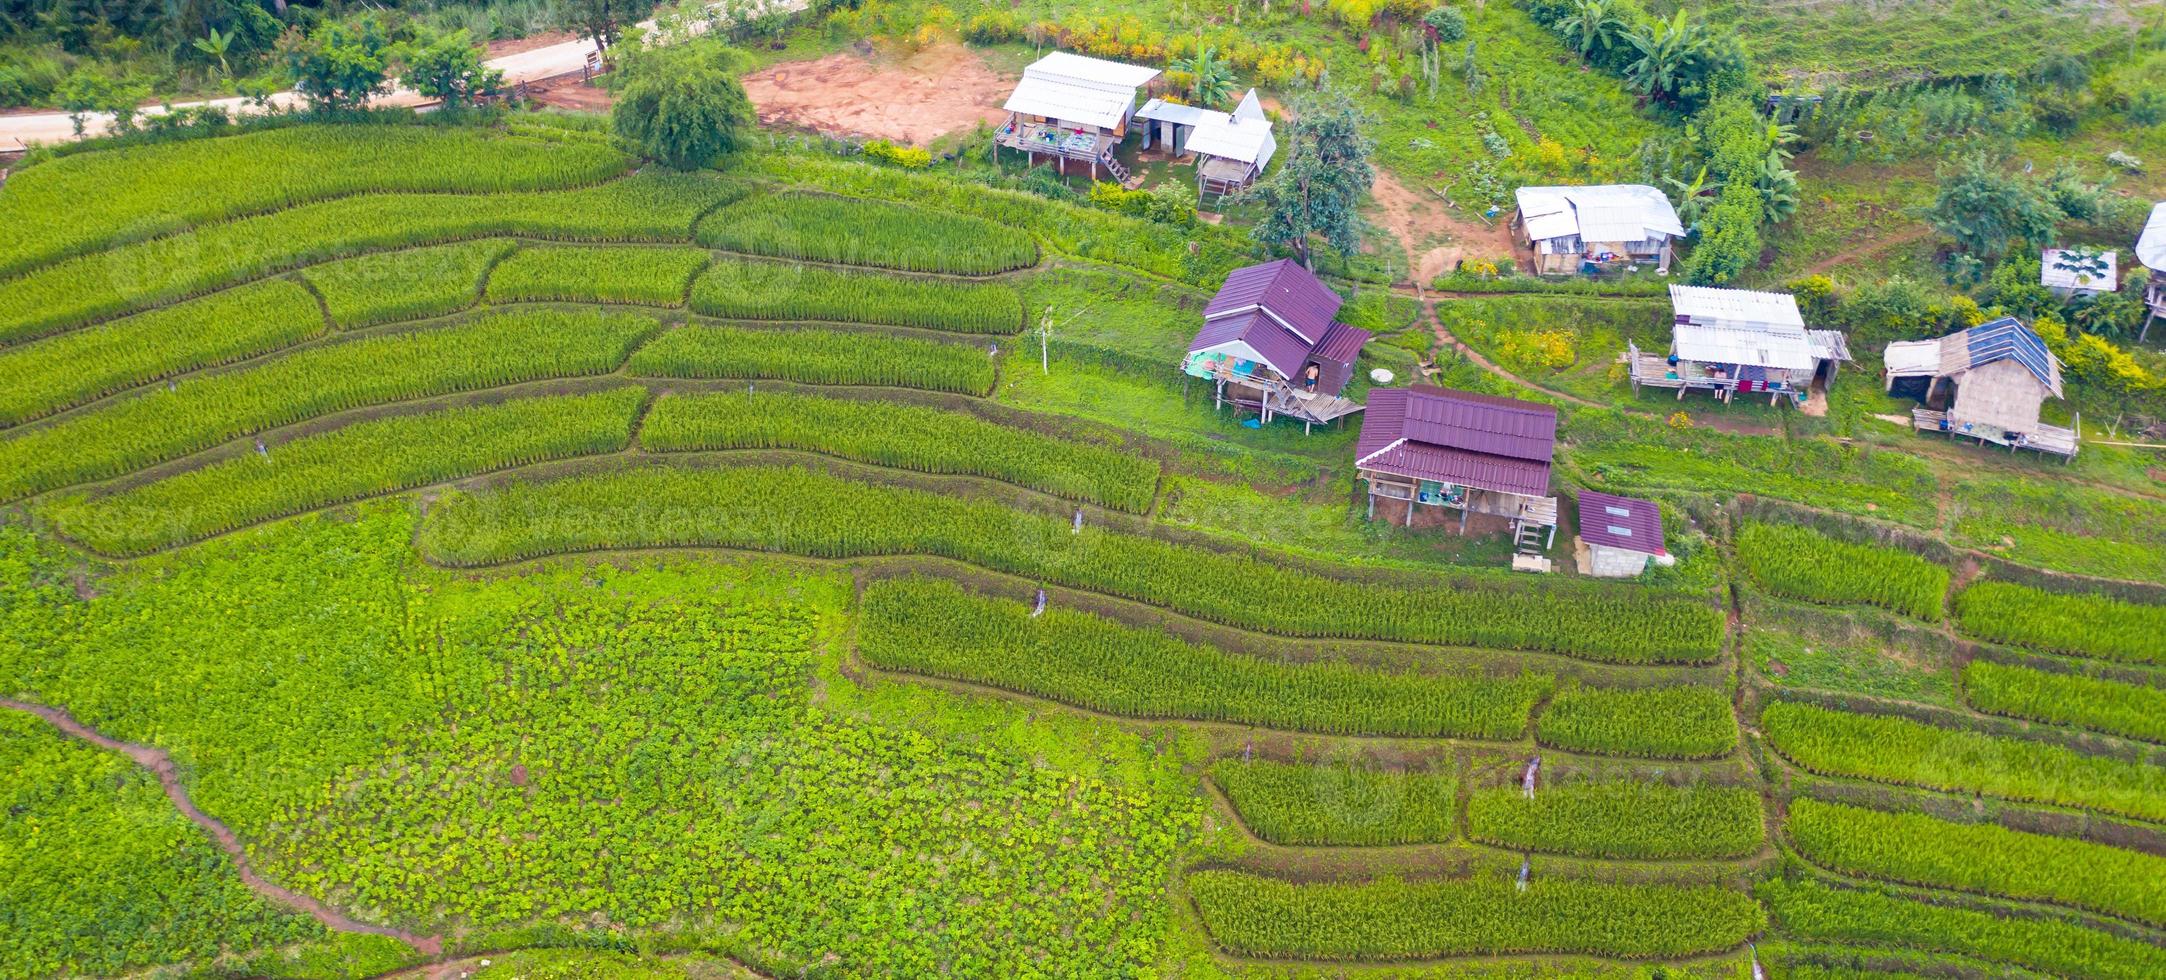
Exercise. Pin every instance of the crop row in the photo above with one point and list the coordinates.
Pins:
(383, 287)
(850, 231)
(377, 456)
(821, 357)
(1804, 564)
(1685, 721)
(642, 207)
(1620, 819)
(81, 202)
(60, 372)
(600, 274)
(749, 290)
(935, 628)
(2134, 710)
(1810, 911)
(906, 436)
(200, 412)
(1917, 849)
(2080, 625)
(1911, 753)
(1339, 804)
(1389, 919)
(799, 511)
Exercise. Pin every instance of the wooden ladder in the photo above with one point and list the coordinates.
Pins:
(1120, 173)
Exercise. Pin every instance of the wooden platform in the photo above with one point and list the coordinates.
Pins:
(2051, 439)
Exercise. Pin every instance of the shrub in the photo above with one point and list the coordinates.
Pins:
(59, 372)
(407, 285)
(1809, 910)
(905, 436)
(601, 274)
(1917, 849)
(801, 512)
(2134, 710)
(935, 628)
(1339, 804)
(2057, 622)
(824, 228)
(1912, 753)
(1620, 819)
(1804, 564)
(823, 357)
(372, 457)
(1679, 722)
(780, 291)
(200, 412)
(900, 156)
(1389, 919)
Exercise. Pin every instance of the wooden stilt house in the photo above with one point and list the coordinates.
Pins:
(1070, 107)
(1596, 229)
(1987, 383)
(1725, 341)
(1271, 343)
(2151, 252)
(1458, 450)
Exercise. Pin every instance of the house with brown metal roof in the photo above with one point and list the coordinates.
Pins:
(1457, 450)
(1271, 343)
(1618, 535)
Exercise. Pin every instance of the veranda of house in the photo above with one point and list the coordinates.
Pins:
(1725, 341)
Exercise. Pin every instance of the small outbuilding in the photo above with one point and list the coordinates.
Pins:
(1725, 341)
(1592, 229)
(1618, 535)
(2076, 273)
(1988, 382)
(1232, 149)
(1458, 450)
(2151, 253)
(1070, 107)
(1271, 342)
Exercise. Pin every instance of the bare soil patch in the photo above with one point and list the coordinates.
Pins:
(1434, 236)
(568, 92)
(915, 99)
(522, 45)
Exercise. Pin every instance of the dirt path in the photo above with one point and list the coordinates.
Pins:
(1434, 236)
(161, 765)
(1867, 249)
(1428, 313)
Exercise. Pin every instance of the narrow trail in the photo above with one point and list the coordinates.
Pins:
(1876, 246)
(161, 765)
(1428, 313)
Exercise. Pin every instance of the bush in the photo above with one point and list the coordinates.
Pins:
(819, 357)
(825, 228)
(905, 436)
(200, 412)
(1388, 919)
(1917, 849)
(1912, 753)
(2080, 625)
(935, 628)
(2133, 710)
(900, 156)
(802, 512)
(1620, 819)
(1339, 804)
(1802, 563)
(1677, 722)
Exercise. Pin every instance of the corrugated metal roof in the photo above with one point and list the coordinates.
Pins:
(1482, 471)
(1341, 343)
(1620, 522)
(2008, 339)
(1912, 358)
(1829, 345)
(1076, 89)
(1599, 213)
(1248, 141)
(1290, 292)
(1160, 110)
(2080, 269)
(2151, 245)
(1081, 70)
(1713, 303)
(1460, 437)
(1481, 423)
(1286, 353)
(1739, 326)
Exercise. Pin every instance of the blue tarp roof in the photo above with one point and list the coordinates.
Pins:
(2007, 338)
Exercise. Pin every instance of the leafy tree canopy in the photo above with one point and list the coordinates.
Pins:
(681, 104)
(1318, 189)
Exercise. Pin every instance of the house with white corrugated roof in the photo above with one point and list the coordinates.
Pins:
(1070, 107)
(2151, 251)
(1597, 228)
(1232, 149)
(1726, 341)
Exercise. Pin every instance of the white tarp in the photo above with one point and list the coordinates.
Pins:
(1599, 213)
(2069, 269)
(1912, 358)
(2151, 245)
(1076, 89)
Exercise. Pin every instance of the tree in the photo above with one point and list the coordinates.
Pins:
(1212, 76)
(601, 21)
(1729, 237)
(340, 65)
(681, 104)
(1591, 27)
(1987, 210)
(1446, 25)
(216, 46)
(448, 67)
(1666, 52)
(1318, 189)
(1778, 186)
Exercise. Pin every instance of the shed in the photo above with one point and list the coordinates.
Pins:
(1071, 107)
(1988, 382)
(1620, 534)
(1459, 450)
(2077, 272)
(1731, 340)
(1572, 228)
(2151, 253)
(1264, 331)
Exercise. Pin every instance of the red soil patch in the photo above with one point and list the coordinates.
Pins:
(939, 90)
(1434, 235)
(568, 92)
(161, 765)
(521, 45)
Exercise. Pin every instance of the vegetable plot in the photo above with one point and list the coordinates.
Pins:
(744, 290)
(1339, 804)
(2056, 622)
(1620, 819)
(1804, 564)
(851, 231)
